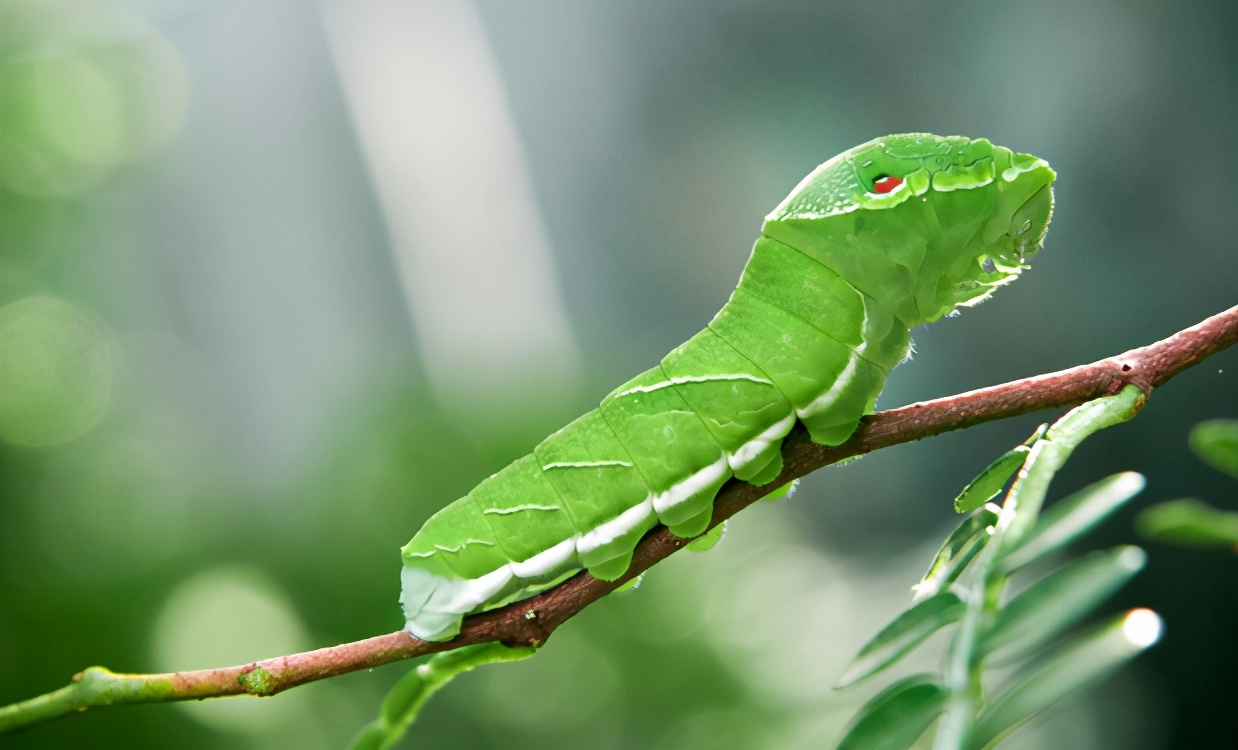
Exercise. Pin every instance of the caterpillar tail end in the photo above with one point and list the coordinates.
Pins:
(434, 605)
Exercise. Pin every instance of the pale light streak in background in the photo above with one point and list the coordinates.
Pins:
(272, 283)
(475, 265)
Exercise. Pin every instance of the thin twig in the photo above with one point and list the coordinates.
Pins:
(530, 622)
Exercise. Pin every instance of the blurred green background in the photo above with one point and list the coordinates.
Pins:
(279, 279)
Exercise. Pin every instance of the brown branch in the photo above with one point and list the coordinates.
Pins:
(531, 621)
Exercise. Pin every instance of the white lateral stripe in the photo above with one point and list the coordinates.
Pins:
(545, 562)
(450, 598)
(616, 527)
(458, 596)
(949, 188)
(827, 399)
(754, 447)
(681, 491)
(1009, 174)
(693, 379)
(863, 326)
(463, 544)
(583, 464)
(517, 509)
(445, 600)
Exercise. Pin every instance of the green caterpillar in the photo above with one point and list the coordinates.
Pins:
(886, 236)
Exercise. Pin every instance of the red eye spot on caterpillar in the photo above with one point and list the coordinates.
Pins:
(885, 184)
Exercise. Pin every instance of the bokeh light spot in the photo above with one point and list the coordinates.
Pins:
(114, 510)
(56, 372)
(231, 614)
(79, 104)
(80, 109)
(1142, 627)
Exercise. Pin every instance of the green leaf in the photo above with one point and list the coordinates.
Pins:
(896, 716)
(1082, 662)
(1058, 601)
(407, 697)
(988, 484)
(958, 550)
(902, 635)
(1040, 432)
(631, 585)
(1071, 518)
(371, 736)
(784, 491)
(1216, 444)
(708, 540)
(1189, 522)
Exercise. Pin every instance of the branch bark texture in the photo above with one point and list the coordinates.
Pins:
(530, 622)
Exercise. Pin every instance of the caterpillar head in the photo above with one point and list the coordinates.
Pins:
(923, 223)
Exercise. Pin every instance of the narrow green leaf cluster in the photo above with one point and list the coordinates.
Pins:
(1191, 522)
(898, 715)
(990, 482)
(1216, 444)
(965, 587)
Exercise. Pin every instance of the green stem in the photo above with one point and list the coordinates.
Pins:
(97, 686)
(966, 692)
